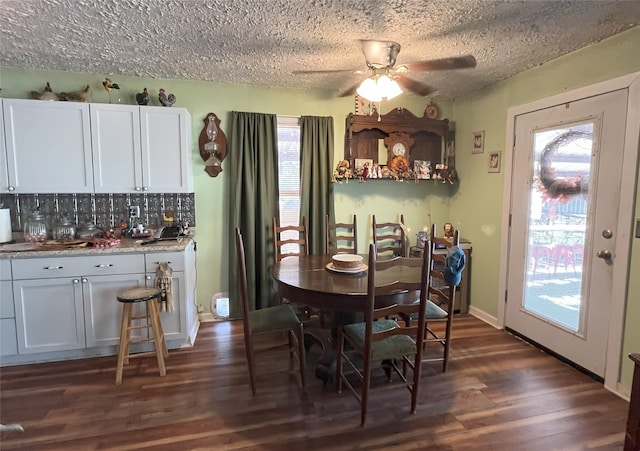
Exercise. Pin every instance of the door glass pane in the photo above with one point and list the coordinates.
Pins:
(558, 218)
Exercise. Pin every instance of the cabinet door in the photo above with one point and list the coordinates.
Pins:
(166, 150)
(49, 315)
(8, 340)
(115, 137)
(103, 312)
(48, 146)
(173, 323)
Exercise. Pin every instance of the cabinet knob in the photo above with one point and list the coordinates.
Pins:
(104, 265)
(146, 188)
(52, 267)
(148, 277)
(76, 281)
(11, 188)
(137, 188)
(85, 280)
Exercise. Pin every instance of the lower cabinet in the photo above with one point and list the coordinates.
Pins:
(48, 312)
(103, 312)
(49, 315)
(8, 338)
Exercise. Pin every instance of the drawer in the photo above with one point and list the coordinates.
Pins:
(6, 299)
(175, 259)
(94, 265)
(5, 269)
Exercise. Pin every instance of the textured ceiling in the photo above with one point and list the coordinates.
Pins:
(261, 42)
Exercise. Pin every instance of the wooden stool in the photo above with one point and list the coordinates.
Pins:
(128, 298)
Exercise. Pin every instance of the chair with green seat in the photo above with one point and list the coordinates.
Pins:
(381, 339)
(280, 318)
(446, 264)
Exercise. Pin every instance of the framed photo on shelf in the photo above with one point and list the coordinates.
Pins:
(422, 169)
(495, 160)
(478, 142)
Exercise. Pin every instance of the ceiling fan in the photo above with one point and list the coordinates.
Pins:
(381, 57)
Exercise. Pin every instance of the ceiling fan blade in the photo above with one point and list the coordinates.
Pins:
(329, 71)
(417, 87)
(458, 62)
(350, 91)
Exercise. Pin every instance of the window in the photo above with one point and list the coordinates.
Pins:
(289, 173)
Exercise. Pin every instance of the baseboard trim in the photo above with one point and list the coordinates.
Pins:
(484, 316)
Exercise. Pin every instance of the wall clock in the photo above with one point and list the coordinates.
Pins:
(432, 111)
(398, 145)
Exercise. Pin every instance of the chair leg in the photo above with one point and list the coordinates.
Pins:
(124, 340)
(248, 347)
(165, 352)
(157, 337)
(447, 344)
(301, 354)
(340, 348)
(366, 383)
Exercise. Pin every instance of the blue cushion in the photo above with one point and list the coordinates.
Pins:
(389, 348)
(280, 317)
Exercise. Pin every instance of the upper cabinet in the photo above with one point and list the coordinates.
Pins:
(47, 147)
(139, 149)
(73, 147)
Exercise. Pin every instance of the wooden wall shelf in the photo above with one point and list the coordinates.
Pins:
(363, 134)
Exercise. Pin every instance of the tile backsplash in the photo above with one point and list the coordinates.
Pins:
(105, 210)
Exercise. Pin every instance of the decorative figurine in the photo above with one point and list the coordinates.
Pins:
(110, 86)
(143, 97)
(77, 96)
(46, 94)
(166, 100)
(448, 230)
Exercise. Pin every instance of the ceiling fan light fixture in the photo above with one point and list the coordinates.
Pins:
(369, 90)
(382, 87)
(393, 89)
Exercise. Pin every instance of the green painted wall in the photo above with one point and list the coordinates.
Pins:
(474, 206)
(478, 202)
(386, 199)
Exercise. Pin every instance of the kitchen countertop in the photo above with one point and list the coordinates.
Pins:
(127, 246)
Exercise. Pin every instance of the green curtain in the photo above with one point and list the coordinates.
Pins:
(253, 202)
(316, 189)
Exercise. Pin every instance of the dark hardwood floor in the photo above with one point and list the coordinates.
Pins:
(499, 394)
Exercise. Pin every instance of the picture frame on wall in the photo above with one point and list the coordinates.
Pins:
(478, 142)
(495, 160)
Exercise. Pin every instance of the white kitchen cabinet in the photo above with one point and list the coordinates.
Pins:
(179, 323)
(49, 315)
(103, 312)
(140, 148)
(8, 338)
(81, 309)
(47, 147)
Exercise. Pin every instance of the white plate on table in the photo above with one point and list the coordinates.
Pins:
(360, 269)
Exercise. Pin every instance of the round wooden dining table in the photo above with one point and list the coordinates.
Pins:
(306, 280)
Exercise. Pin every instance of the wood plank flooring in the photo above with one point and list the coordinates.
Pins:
(499, 394)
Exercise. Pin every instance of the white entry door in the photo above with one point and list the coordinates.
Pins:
(567, 166)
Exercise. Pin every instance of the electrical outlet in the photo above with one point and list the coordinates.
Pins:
(134, 211)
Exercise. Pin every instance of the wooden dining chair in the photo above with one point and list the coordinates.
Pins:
(290, 240)
(441, 297)
(341, 237)
(390, 238)
(280, 318)
(378, 338)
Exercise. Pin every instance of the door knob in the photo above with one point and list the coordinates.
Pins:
(606, 233)
(605, 254)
